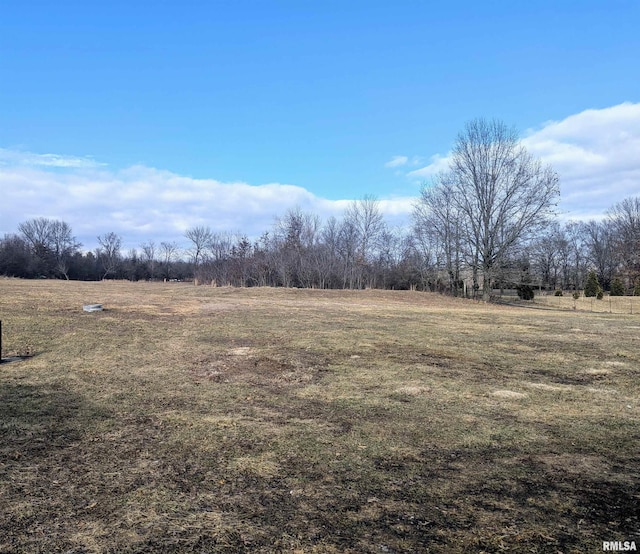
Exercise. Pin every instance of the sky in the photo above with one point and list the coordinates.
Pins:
(148, 118)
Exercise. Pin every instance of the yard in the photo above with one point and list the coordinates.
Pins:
(200, 419)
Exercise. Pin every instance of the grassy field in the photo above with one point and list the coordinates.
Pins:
(196, 419)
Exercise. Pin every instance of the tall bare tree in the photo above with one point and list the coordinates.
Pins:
(576, 237)
(149, 253)
(601, 251)
(200, 238)
(64, 245)
(503, 193)
(327, 254)
(52, 243)
(544, 257)
(168, 252)
(37, 232)
(625, 226)
(436, 214)
(108, 253)
(294, 237)
(364, 217)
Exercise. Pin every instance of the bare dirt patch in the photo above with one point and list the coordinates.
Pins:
(248, 366)
(240, 351)
(598, 371)
(509, 394)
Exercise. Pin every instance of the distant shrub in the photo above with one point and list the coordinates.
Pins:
(617, 288)
(592, 286)
(525, 292)
(576, 295)
(558, 293)
(600, 295)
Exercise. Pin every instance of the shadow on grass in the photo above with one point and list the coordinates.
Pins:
(487, 500)
(493, 499)
(38, 425)
(516, 502)
(35, 420)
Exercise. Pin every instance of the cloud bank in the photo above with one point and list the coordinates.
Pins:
(143, 203)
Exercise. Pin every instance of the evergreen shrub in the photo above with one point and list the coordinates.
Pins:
(592, 286)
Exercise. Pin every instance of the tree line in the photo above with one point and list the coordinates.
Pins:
(486, 223)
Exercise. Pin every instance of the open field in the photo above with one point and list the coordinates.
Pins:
(196, 419)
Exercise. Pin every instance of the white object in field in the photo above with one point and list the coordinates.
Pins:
(92, 307)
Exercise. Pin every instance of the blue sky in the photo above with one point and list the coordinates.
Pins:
(234, 111)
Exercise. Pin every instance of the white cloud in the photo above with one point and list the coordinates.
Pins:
(143, 203)
(18, 157)
(436, 164)
(595, 154)
(397, 161)
(397, 208)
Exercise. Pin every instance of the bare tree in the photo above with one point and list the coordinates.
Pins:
(504, 195)
(52, 243)
(294, 238)
(64, 245)
(262, 260)
(365, 218)
(347, 249)
(108, 253)
(37, 232)
(564, 250)
(421, 251)
(220, 246)
(559, 256)
(601, 252)
(168, 252)
(624, 218)
(576, 237)
(436, 215)
(200, 238)
(241, 263)
(218, 255)
(149, 255)
(389, 257)
(326, 254)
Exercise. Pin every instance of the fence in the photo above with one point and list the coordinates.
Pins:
(608, 304)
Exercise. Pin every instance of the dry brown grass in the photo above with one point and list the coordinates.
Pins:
(196, 419)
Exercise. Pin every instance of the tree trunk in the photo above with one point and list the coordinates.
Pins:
(486, 286)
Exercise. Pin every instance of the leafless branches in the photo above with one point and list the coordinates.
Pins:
(498, 194)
